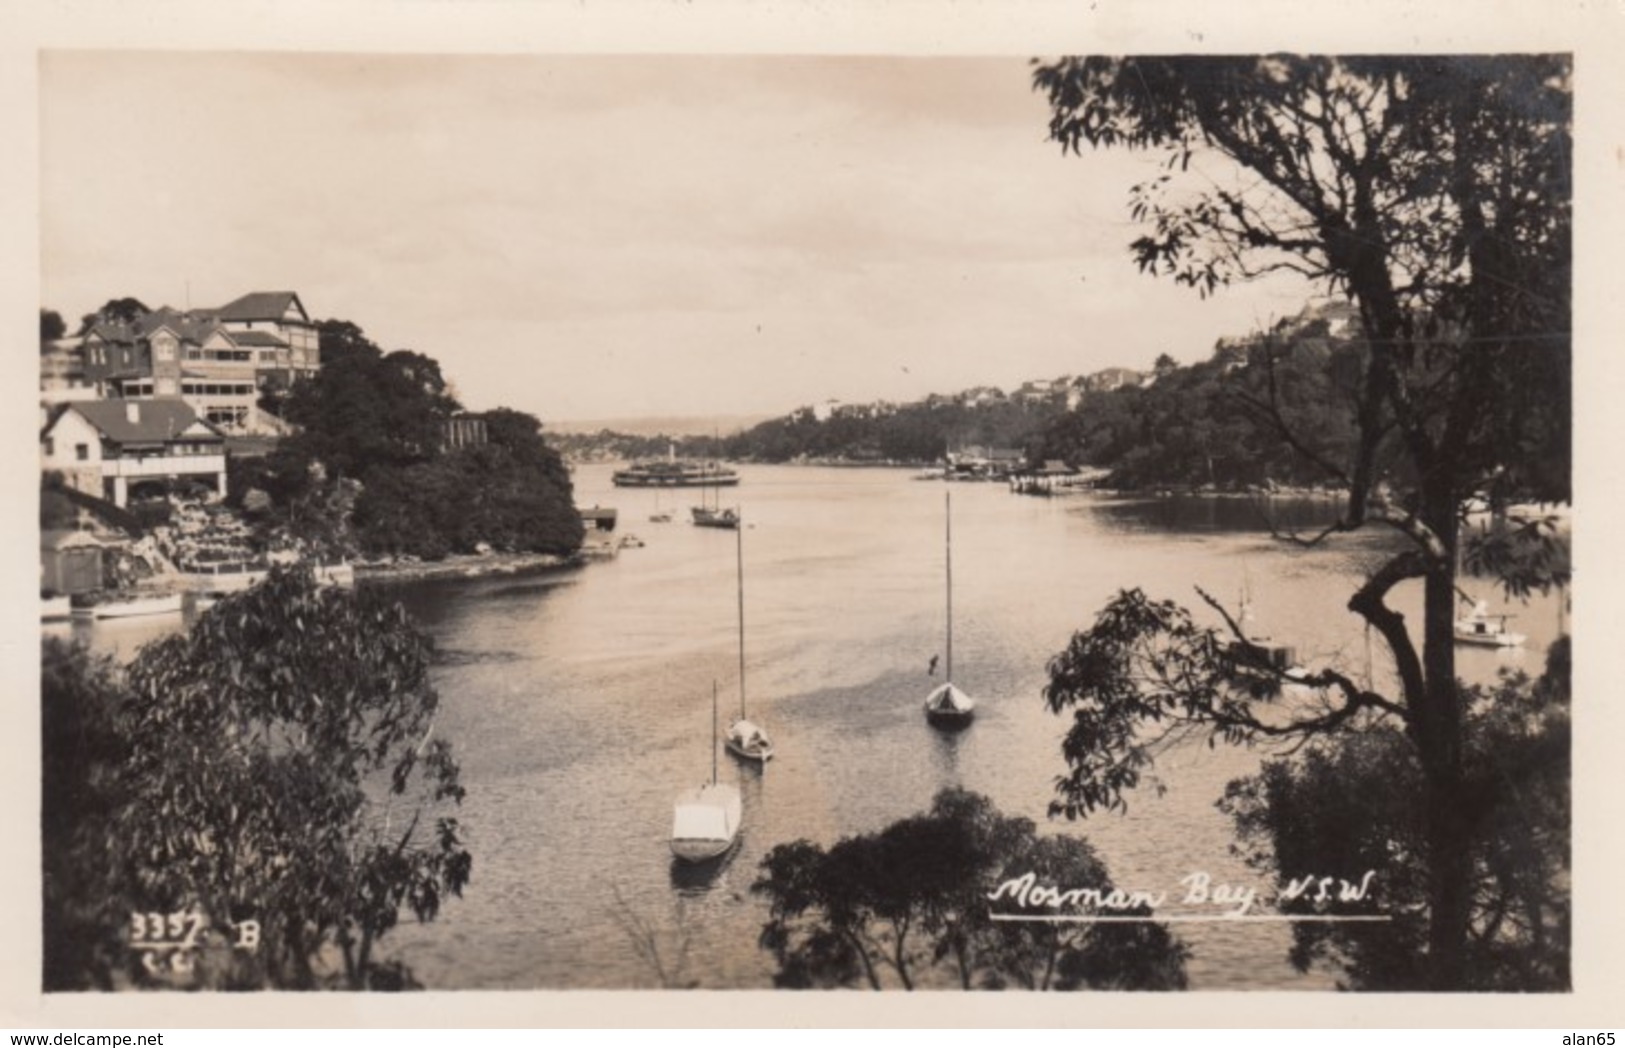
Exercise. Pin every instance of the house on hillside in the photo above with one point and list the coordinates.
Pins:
(275, 321)
(219, 361)
(1038, 390)
(1109, 379)
(114, 449)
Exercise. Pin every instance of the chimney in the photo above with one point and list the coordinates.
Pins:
(132, 412)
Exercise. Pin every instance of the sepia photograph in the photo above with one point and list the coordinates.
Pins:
(1090, 521)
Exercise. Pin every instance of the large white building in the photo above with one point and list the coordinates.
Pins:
(113, 448)
(219, 361)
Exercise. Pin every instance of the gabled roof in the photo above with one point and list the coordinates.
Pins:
(110, 331)
(188, 326)
(261, 305)
(157, 419)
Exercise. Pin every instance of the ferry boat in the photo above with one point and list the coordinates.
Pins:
(674, 473)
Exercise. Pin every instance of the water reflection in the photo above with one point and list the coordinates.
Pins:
(945, 752)
(1207, 513)
(580, 704)
(692, 879)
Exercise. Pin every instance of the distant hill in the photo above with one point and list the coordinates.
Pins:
(655, 426)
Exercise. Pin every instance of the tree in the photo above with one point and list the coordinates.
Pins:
(82, 753)
(1348, 806)
(51, 326)
(380, 419)
(512, 493)
(368, 410)
(275, 764)
(1434, 193)
(911, 903)
(116, 311)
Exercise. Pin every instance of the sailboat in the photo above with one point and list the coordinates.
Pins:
(745, 738)
(947, 706)
(659, 516)
(705, 820)
(709, 514)
(1255, 651)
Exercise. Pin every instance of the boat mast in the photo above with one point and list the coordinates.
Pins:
(948, 557)
(739, 548)
(713, 732)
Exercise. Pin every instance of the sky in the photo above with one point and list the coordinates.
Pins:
(594, 237)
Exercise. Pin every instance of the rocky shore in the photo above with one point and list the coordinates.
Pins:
(597, 546)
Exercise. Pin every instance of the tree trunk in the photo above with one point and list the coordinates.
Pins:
(1450, 865)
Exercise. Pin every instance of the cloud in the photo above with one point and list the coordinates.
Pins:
(624, 223)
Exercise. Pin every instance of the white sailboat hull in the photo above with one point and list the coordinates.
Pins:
(949, 707)
(748, 742)
(705, 822)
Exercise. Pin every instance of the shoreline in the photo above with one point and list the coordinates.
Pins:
(476, 566)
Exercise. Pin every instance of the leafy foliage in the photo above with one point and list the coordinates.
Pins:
(920, 432)
(81, 793)
(914, 433)
(51, 326)
(1351, 807)
(115, 310)
(379, 419)
(277, 763)
(1146, 675)
(910, 904)
(1196, 426)
(368, 410)
(1435, 193)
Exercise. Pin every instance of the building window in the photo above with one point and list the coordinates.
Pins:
(193, 353)
(165, 349)
(81, 452)
(225, 415)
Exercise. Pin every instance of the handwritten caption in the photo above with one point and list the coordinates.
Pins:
(1213, 900)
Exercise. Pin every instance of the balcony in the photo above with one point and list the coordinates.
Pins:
(163, 465)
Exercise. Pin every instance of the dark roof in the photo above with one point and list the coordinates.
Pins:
(158, 418)
(255, 338)
(260, 305)
(111, 331)
(191, 325)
